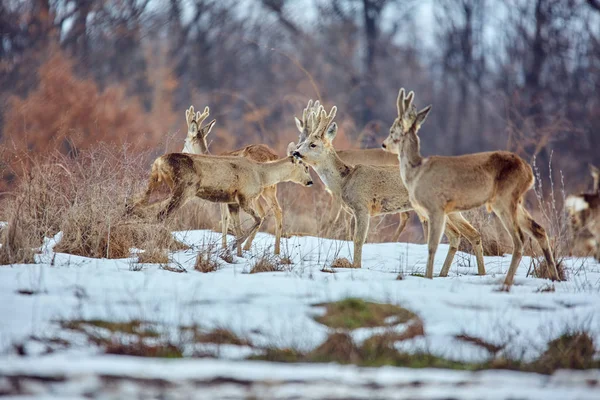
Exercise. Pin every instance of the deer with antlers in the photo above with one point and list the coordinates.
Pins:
(584, 210)
(195, 143)
(235, 181)
(351, 157)
(440, 187)
(367, 190)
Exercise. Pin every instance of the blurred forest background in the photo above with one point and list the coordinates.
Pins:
(522, 75)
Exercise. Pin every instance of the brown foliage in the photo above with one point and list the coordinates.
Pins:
(70, 114)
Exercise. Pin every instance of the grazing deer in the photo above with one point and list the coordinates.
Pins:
(351, 157)
(367, 190)
(440, 187)
(584, 210)
(235, 181)
(195, 143)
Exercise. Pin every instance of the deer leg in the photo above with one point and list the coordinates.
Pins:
(472, 235)
(179, 196)
(361, 227)
(454, 239)
(234, 211)
(437, 220)
(270, 196)
(246, 206)
(261, 212)
(401, 225)
(224, 224)
(538, 233)
(508, 218)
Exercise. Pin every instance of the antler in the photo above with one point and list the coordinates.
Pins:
(189, 115)
(322, 120)
(201, 117)
(310, 109)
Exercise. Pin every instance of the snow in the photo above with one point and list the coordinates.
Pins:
(276, 308)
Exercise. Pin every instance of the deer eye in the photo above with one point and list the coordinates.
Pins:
(313, 145)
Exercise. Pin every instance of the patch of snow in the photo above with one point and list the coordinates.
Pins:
(276, 309)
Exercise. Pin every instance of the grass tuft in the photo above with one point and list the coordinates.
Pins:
(267, 263)
(341, 263)
(353, 313)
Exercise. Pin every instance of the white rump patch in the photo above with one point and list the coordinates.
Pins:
(576, 204)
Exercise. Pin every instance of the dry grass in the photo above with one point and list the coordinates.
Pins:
(341, 263)
(156, 256)
(267, 262)
(84, 197)
(220, 336)
(353, 313)
(206, 261)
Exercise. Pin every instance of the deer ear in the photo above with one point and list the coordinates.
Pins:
(299, 124)
(291, 148)
(400, 102)
(331, 132)
(422, 116)
(206, 130)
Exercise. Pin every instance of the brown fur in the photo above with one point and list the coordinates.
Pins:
(440, 186)
(196, 144)
(367, 190)
(235, 181)
(375, 157)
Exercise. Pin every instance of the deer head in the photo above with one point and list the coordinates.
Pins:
(318, 144)
(406, 125)
(195, 142)
(301, 171)
(305, 125)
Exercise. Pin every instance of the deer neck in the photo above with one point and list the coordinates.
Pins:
(277, 171)
(410, 157)
(333, 172)
(197, 146)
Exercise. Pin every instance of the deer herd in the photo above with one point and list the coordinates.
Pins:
(395, 179)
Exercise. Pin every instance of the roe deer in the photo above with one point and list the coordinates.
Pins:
(351, 157)
(584, 210)
(235, 181)
(367, 190)
(195, 143)
(442, 186)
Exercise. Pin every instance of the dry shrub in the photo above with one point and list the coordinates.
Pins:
(341, 263)
(84, 197)
(569, 351)
(495, 240)
(68, 113)
(17, 244)
(339, 347)
(267, 263)
(206, 260)
(155, 256)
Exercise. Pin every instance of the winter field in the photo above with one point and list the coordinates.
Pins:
(66, 322)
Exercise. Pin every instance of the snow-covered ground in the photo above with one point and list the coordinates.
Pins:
(277, 309)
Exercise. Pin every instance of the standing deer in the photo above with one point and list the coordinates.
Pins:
(367, 190)
(354, 156)
(195, 143)
(235, 181)
(584, 210)
(439, 187)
